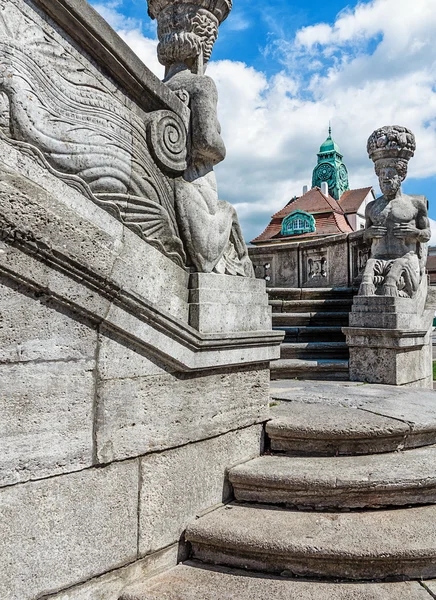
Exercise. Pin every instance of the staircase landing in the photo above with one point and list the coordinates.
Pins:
(342, 506)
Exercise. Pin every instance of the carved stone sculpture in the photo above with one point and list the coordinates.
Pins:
(210, 229)
(56, 105)
(397, 225)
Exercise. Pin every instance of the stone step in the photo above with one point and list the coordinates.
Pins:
(310, 293)
(312, 334)
(395, 479)
(314, 350)
(398, 543)
(192, 581)
(292, 368)
(314, 418)
(303, 306)
(326, 319)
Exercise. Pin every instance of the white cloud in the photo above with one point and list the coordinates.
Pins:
(433, 232)
(375, 65)
(131, 31)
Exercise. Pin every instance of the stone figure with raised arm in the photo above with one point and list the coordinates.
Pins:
(211, 233)
(397, 224)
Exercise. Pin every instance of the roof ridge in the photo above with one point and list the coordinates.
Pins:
(328, 198)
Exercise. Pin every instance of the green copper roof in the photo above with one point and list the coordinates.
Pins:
(331, 169)
(330, 145)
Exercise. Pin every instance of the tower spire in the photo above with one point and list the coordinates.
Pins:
(331, 168)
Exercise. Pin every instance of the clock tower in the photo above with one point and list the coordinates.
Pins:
(331, 169)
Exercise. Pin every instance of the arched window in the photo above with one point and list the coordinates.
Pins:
(297, 223)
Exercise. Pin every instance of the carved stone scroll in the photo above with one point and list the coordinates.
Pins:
(167, 139)
(61, 106)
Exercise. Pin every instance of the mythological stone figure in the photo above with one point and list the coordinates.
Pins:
(187, 31)
(397, 225)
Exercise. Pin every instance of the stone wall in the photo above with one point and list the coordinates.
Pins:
(333, 261)
(128, 384)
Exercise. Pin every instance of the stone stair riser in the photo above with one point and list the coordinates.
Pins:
(310, 319)
(315, 351)
(320, 375)
(310, 446)
(325, 499)
(310, 306)
(310, 293)
(311, 334)
(317, 566)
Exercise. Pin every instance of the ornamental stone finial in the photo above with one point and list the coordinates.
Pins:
(187, 30)
(391, 142)
(219, 8)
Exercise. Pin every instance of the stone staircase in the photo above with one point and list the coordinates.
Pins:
(314, 346)
(342, 505)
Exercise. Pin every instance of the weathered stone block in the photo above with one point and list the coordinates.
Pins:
(220, 303)
(31, 328)
(45, 419)
(138, 415)
(118, 359)
(391, 366)
(112, 585)
(179, 484)
(64, 530)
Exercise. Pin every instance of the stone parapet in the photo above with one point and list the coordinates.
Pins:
(330, 261)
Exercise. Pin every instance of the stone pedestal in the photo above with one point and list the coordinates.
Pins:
(224, 304)
(390, 340)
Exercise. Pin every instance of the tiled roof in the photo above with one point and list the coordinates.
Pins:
(312, 202)
(326, 224)
(269, 232)
(351, 201)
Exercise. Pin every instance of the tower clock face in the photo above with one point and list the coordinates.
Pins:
(343, 175)
(325, 173)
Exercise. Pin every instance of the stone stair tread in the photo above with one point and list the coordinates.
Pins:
(316, 345)
(189, 581)
(322, 314)
(309, 293)
(307, 363)
(349, 423)
(353, 545)
(398, 478)
(417, 408)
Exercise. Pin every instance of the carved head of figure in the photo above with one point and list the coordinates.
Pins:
(187, 30)
(391, 148)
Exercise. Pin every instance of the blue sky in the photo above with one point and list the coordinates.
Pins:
(284, 69)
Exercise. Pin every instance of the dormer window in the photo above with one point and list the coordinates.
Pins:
(298, 222)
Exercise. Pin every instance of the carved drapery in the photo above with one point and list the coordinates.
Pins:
(81, 127)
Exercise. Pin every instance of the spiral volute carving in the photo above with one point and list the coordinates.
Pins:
(167, 139)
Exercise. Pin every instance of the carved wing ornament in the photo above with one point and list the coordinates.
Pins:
(79, 126)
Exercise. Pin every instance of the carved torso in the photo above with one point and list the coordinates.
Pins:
(390, 214)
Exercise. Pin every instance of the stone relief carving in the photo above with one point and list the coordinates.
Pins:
(397, 225)
(83, 131)
(317, 267)
(187, 31)
(4, 115)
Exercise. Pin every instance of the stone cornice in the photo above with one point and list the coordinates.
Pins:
(26, 260)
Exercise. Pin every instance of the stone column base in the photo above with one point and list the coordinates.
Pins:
(224, 304)
(390, 356)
